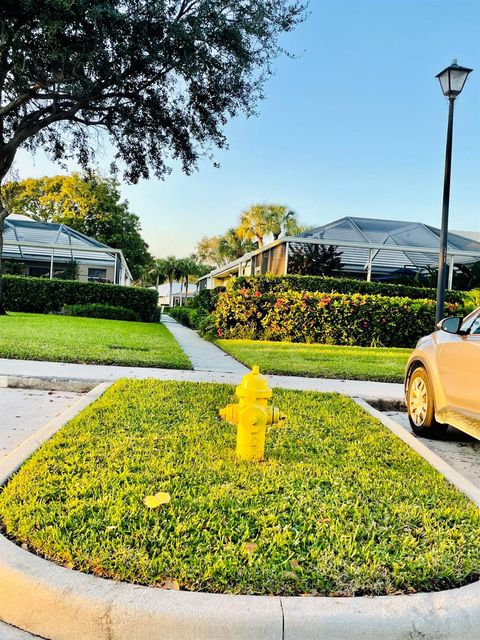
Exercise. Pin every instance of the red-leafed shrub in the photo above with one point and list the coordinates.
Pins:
(329, 318)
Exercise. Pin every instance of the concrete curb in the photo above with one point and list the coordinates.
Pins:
(7, 632)
(60, 604)
(48, 384)
(454, 477)
(68, 605)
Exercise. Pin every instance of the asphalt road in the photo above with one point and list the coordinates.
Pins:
(25, 411)
(461, 451)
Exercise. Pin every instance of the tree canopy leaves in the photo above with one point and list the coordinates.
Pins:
(159, 77)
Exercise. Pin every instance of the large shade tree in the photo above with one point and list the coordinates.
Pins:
(159, 78)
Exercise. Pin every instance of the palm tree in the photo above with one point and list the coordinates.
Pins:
(254, 224)
(169, 268)
(261, 219)
(280, 220)
(156, 274)
(233, 246)
(186, 267)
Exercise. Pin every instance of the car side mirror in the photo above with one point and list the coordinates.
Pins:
(450, 325)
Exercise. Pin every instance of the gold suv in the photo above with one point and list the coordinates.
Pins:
(442, 382)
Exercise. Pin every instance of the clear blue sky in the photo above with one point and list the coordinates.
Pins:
(355, 125)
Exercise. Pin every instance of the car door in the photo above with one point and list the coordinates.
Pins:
(458, 358)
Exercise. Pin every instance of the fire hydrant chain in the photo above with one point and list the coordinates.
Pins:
(252, 415)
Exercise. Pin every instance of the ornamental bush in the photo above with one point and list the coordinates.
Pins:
(277, 284)
(205, 300)
(185, 315)
(105, 311)
(327, 318)
(39, 295)
(195, 319)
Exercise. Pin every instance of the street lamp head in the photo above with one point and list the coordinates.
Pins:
(452, 79)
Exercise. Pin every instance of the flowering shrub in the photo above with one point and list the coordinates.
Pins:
(328, 318)
(278, 284)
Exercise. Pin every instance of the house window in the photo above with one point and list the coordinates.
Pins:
(39, 272)
(97, 275)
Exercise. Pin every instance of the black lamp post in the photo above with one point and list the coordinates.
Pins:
(452, 80)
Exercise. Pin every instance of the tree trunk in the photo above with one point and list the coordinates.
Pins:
(186, 290)
(260, 241)
(3, 215)
(181, 291)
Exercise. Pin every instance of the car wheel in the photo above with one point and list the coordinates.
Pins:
(420, 406)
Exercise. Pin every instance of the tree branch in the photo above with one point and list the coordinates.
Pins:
(14, 104)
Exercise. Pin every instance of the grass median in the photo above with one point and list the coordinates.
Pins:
(320, 361)
(29, 336)
(340, 506)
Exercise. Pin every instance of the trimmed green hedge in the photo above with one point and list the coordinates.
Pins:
(205, 300)
(104, 311)
(185, 315)
(39, 295)
(277, 284)
(194, 318)
(334, 318)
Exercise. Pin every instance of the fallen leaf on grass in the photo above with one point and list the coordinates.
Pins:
(249, 547)
(152, 502)
(173, 585)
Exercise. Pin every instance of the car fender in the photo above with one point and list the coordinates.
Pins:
(423, 358)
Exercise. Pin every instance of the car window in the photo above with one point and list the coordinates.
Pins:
(475, 328)
(471, 323)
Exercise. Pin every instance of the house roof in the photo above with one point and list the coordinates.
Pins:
(473, 235)
(67, 243)
(389, 232)
(353, 235)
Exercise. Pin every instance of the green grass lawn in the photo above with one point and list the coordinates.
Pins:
(29, 336)
(318, 360)
(339, 506)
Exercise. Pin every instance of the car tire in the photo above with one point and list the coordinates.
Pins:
(421, 408)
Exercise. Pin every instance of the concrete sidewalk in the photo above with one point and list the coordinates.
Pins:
(203, 355)
(59, 375)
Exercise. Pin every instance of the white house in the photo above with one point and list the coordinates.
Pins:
(46, 249)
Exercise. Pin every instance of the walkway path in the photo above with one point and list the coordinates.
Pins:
(203, 355)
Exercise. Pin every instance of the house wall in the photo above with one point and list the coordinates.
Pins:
(59, 266)
(83, 271)
(270, 261)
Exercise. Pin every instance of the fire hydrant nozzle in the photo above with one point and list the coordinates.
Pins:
(252, 415)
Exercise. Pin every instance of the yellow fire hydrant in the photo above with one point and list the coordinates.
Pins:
(252, 415)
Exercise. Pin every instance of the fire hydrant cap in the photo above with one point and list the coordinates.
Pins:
(254, 384)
